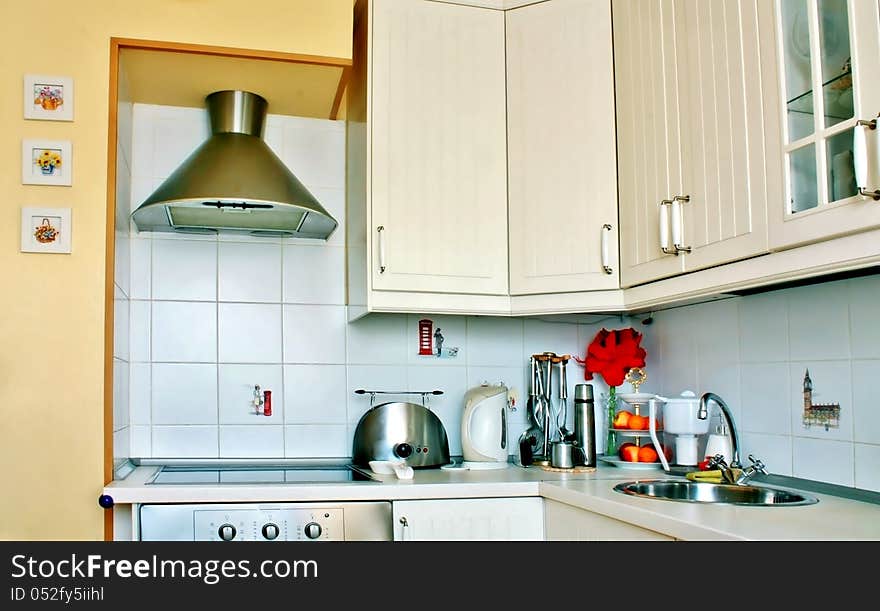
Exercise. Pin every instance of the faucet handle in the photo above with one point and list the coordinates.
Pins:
(757, 465)
(717, 462)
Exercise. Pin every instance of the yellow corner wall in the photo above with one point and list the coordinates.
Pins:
(52, 321)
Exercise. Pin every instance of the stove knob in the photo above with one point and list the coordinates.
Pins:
(312, 530)
(270, 531)
(403, 450)
(226, 532)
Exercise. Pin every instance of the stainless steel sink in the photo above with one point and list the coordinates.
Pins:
(705, 492)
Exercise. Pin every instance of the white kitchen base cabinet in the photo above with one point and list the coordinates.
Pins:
(567, 523)
(495, 519)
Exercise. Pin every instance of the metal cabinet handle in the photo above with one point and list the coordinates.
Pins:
(503, 428)
(606, 255)
(664, 227)
(403, 526)
(860, 157)
(678, 223)
(381, 231)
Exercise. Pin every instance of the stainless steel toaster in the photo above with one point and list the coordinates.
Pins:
(401, 431)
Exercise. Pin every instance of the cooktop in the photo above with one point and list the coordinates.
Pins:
(261, 475)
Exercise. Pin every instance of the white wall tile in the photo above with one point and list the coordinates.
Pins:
(236, 394)
(766, 398)
(763, 325)
(823, 460)
(122, 259)
(864, 294)
(773, 450)
(121, 308)
(140, 393)
(251, 441)
(184, 393)
(494, 341)
(866, 415)
(316, 441)
(454, 332)
(678, 351)
(121, 443)
(315, 394)
(121, 413)
(141, 441)
(867, 458)
(185, 269)
(559, 337)
(184, 331)
(314, 334)
(373, 377)
(177, 132)
(185, 442)
(314, 274)
(831, 384)
(249, 333)
(139, 331)
(717, 332)
(450, 405)
(818, 318)
(141, 266)
(724, 381)
(378, 339)
(314, 150)
(249, 272)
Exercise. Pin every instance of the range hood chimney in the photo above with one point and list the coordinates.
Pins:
(234, 182)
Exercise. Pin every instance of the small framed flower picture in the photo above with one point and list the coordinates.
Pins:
(46, 162)
(48, 97)
(46, 230)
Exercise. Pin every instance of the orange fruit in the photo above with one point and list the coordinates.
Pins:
(629, 452)
(638, 423)
(621, 420)
(648, 454)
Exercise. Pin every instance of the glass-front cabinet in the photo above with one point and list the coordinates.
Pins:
(829, 54)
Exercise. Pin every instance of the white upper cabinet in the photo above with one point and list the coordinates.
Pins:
(437, 156)
(649, 144)
(696, 92)
(562, 178)
(830, 83)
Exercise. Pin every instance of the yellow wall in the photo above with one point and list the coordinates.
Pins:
(51, 306)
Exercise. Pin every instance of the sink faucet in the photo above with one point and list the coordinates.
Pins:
(735, 475)
(703, 413)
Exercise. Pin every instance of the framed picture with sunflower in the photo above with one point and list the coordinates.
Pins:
(48, 98)
(46, 162)
(46, 230)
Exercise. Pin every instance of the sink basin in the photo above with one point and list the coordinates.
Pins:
(705, 492)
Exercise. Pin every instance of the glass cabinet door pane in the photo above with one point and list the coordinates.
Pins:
(834, 47)
(798, 68)
(802, 169)
(841, 169)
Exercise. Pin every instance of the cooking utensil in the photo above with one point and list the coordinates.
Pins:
(565, 455)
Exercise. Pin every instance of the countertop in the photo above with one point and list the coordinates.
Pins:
(832, 518)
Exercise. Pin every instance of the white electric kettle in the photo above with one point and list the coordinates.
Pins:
(484, 427)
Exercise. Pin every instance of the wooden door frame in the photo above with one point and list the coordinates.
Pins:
(116, 46)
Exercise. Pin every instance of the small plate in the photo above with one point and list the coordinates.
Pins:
(625, 464)
(632, 398)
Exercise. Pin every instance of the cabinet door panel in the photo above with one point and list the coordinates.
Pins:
(494, 519)
(561, 147)
(649, 140)
(438, 148)
(829, 79)
(725, 219)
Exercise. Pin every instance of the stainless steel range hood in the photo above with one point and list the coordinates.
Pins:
(234, 182)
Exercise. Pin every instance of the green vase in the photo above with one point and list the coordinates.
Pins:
(611, 441)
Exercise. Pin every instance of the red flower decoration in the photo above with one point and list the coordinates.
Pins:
(612, 354)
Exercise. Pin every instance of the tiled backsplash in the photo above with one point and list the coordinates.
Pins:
(753, 351)
(210, 318)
